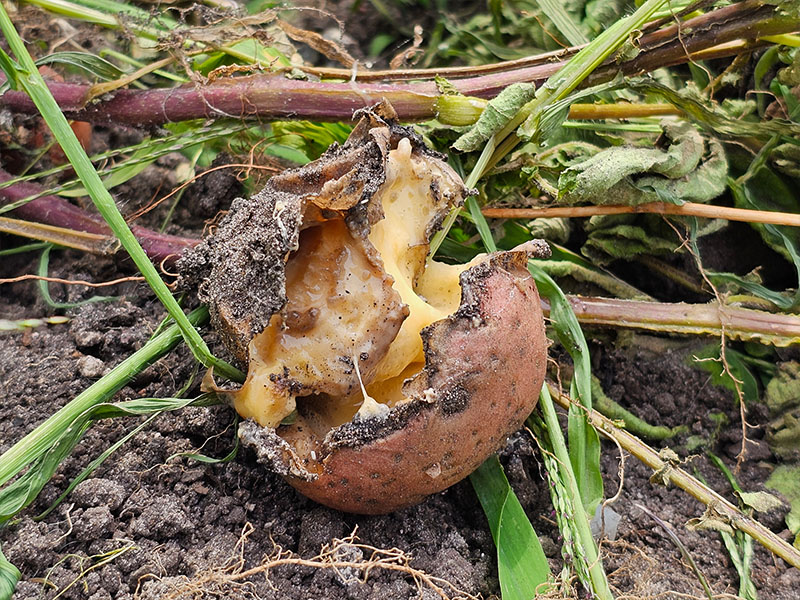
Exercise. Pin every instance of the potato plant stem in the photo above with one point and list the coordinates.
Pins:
(687, 209)
(688, 319)
(55, 211)
(40, 439)
(674, 474)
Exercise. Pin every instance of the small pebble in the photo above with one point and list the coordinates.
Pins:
(91, 367)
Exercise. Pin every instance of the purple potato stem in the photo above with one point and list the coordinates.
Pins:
(274, 96)
(53, 210)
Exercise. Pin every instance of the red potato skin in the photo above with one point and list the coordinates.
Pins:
(485, 366)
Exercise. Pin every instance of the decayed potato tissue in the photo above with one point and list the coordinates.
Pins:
(374, 375)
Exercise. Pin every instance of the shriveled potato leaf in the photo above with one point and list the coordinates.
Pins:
(522, 565)
(565, 263)
(689, 169)
(786, 480)
(599, 13)
(782, 397)
(760, 501)
(625, 236)
(711, 116)
(495, 116)
(783, 390)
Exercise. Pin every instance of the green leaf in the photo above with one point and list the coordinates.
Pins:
(92, 64)
(764, 190)
(17, 495)
(584, 443)
(9, 576)
(522, 566)
(11, 70)
(312, 139)
(556, 12)
(584, 454)
(496, 115)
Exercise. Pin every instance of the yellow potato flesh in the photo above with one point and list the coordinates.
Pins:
(326, 283)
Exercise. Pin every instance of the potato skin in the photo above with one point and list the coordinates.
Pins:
(485, 366)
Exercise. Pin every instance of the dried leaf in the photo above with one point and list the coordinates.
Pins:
(761, 501)
(327, 48)
(711, 519)
(495, 116)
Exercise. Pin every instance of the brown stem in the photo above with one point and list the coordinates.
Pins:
(52, 210)
(672, 473)
(622, 110)
(688, 319)
(276, 97)
(690, 209)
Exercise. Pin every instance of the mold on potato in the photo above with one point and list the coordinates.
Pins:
(375, 376)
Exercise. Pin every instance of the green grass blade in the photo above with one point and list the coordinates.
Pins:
(555, 11)
(90, 63)
(522, 566)
(584, 443)
(568, 477)
(44, 286)
(9, 576)
(24, 490)
(90, 468)
(33, 84)
(155, 407)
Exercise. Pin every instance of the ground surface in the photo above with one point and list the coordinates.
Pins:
(151, 525)
(179, 521)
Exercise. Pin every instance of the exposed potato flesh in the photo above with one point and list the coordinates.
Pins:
(342, 311)
(328, 324)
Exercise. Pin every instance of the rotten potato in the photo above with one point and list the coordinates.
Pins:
(375, 376)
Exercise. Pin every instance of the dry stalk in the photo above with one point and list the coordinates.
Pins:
(669, 472)
(687, 319)
(688, 209)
